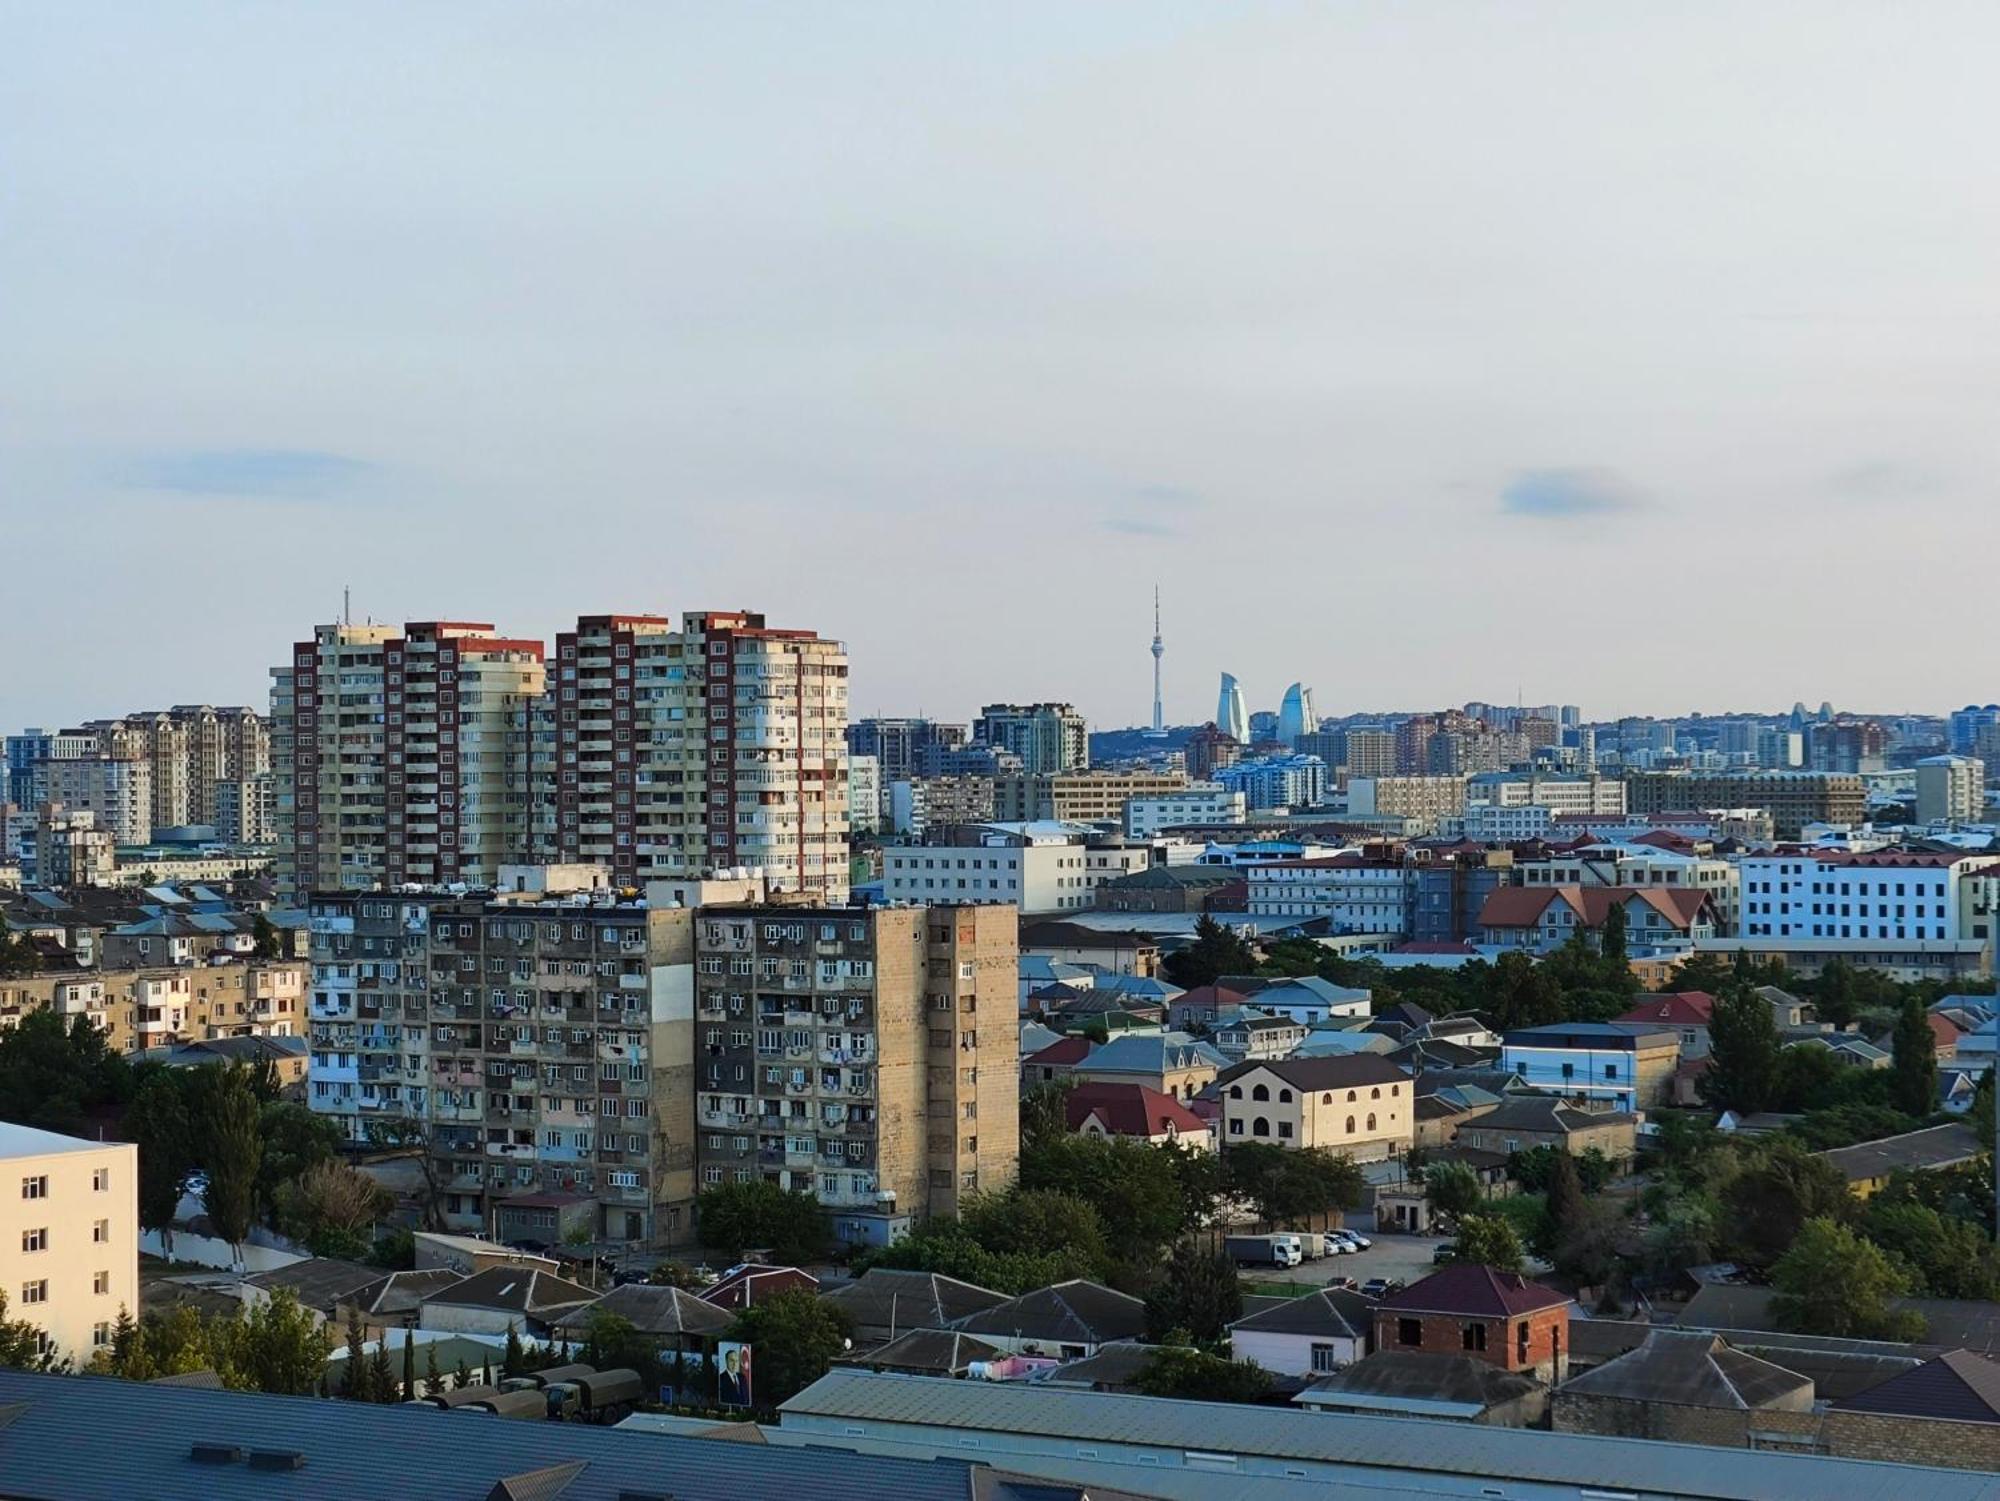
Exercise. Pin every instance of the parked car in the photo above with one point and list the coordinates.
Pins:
(1380, 1287)
(1354, 1240)
(1445, 1254)
(1340, 1284)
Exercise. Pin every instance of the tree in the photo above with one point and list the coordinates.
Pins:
(409, 1363)
(1946, 1257)
(21, 1343)
(462, 1377)
(1836, 993)
(157, 1122)
(331, 1207)
(357, 1381)
(1611, 939)
(264, 938)
(1523, 994)
(1033, 1221)
(276, 1346)
(1768, 1203)
(1215, 952)
(1490, 1241)
(514, 1361)
(1045, 1112)
(234, 1151)
(1743, 1053)
(1913, 1087)
(1833, 1282)
(1135, 1189)
(1197, 1291)
(735, 1217)
(795, 1337)
(53, 1074)
(381, 1377)
(1176, 1371)
(1562, 1209)
(1452, 1189)
(411, 1136)
(296, 1141)
(1323, 1183)
(433, 1377)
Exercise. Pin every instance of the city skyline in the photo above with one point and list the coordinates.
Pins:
(704, 286)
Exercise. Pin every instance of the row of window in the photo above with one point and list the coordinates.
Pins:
(37, 1186)
(37, 1239)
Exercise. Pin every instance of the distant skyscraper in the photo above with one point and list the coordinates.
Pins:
(1231, 717)
(1295, 714)
(1159, 651)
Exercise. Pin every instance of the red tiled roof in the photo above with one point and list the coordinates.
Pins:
(1472, 1291)
(1130, 1110)
(1063, 1050)
(1676, 1008)
(1944, 1031)
(1210, 996)
(1523, 906)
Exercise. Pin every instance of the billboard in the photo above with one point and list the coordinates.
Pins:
(732, 1377)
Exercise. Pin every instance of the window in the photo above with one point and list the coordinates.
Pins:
(1323, 1358)
(100, 1335)
(35, 1188)
(100, 1180)
(100, 1233)
(35, 1240)
(1236, 1128)
(1474, 1336)
(1521, 1343)
(1284, 1130)
(1409, 1331)
(1284, 1097)
(1371, 1122)
(35, 1292)
(1260, 1127)
(1260, 1093)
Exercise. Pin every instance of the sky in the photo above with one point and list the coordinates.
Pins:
(1643, 358)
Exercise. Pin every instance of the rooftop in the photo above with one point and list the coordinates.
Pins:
(1693, 1368)
(1467, 1290)
(1934, 1146)
(1076, 1312)
(1958, 1385)
(27, 1141)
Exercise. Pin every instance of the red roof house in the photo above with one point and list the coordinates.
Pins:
(1136, 1111)
(1469, 1309)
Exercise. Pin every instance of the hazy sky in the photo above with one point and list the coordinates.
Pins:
(1644, 357)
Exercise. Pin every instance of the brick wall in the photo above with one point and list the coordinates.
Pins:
(1844, 1435)
(1445, 1334)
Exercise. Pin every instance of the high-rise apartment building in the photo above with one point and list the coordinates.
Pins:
(403, 758)
(868, 1057)
(1792, 798)
(190, 748)
(1370, 753)
(898, 745)
(1047, 737)
(539, 1045)
(28, 755)
(718, 745)
(1950, 789)
(116, 790)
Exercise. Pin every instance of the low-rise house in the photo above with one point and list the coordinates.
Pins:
(1523, 1122)
(1361, 1106)
(1685, 1386)
(1310, 1336)
(1038, 971)
(947, 1353)
(1135, 1112)
(1949, 1323)
(1946, 1412)
(1868, 1165)
(1058, 1060)
(1788, 1012)
(742, 1286)
(1541, 919)
(1685, 1013)
(1422, 1384)
(1342, 1039)
(1253, 1034)
(1441, 1113)
(1102, 950)
(1173, 1063)
(1065, 1322)
(1467, 1309)
(884, 1304)
(490, 1302)
(323, 1284)
(1309, 999)
(394, 1299)
(1625, 1067)
(467, 1254)
(1206, 1006)
(670, 1316)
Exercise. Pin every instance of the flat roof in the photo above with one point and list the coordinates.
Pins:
(28, 1141)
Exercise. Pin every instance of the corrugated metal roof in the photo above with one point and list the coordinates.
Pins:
(57, 1447)
(1397, 1444)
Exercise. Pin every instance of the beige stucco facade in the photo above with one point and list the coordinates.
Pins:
(69, 1236)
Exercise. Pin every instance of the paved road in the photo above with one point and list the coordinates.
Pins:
(1402, 1258)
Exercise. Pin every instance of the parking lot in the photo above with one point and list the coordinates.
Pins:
(1397, 1258)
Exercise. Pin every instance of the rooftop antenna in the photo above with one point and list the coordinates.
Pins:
(346, 604)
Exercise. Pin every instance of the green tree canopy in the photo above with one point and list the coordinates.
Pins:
(1216, 951)
(735, 1217)
(1777, 1191)
(1490, 1241)
(794, 1337)
(233, 1151)
(1833, 1282)
(53, 1074)
(1744, 1050)
(1178, 1371)
(1197, 1291)
(1913, 1086)
(1453, 1189)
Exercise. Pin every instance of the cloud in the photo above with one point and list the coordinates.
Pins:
(1154, 511)
(1884, 479)
(260, 473)
(1555, 493)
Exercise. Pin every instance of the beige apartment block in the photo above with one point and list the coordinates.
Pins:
(719, 745)
(148, 1008)
(1093, 797)
(402, 758)
(69, 1237)
(870, 1058)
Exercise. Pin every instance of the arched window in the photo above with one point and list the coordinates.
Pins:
(1394, 1090)
(1236, 1091)
(1260, 1093)
(1352, 1097)
(1260, 1127)
(1284, 1097)
(1371, 1123)
(1375, 1094)
(1326, 1099)
(1350, 1125)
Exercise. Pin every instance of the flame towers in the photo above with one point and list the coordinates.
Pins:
(1295, 714)
(1231, 717)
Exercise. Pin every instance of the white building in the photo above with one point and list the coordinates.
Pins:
(1038, 867)
(1593, 794)
(1950, 789)
(1865, 897)
(1641, 866)
(1504, 823)
(1359, 895)
(69, 1236)
(864, 794)
(1197, 803)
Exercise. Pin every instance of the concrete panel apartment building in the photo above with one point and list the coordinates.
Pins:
(842, 1052)
(1793, 798)
(157, 1006)
(542, 1044)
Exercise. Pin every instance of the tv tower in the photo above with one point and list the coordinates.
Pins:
(1159, 651)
